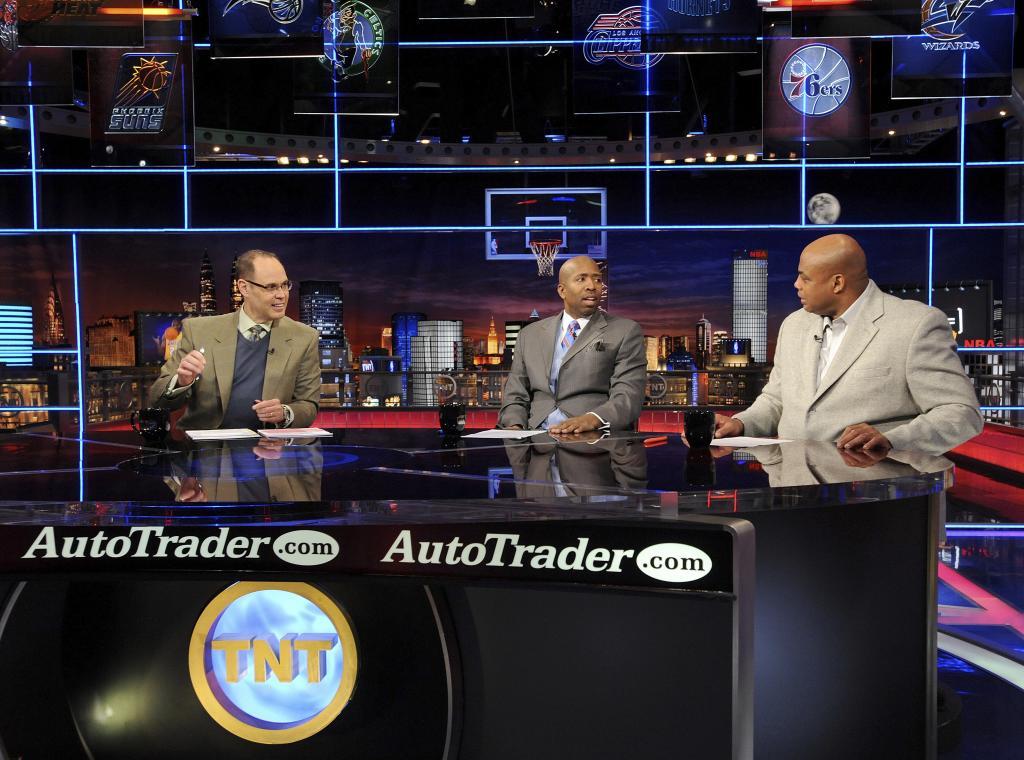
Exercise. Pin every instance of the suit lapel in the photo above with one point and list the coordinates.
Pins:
(811, 349)
(222, 355)
(595, 328)
(548, 328)
(277, 359)
(859, 334)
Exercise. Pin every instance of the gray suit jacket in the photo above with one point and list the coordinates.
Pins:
(292, 373)
(803, 463)
(896, 370)
(604, 372)
(586, 469)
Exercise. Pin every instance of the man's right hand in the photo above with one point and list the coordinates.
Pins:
(191, 367)
(726, 427)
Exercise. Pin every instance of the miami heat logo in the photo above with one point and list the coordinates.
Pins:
(616, 37)
(815, 80)
(282, 11)
(141, 91)
(942, 20)
(353, 41)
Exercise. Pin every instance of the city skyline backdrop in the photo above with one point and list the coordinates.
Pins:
(665, 281)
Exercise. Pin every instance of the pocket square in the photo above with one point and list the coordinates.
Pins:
(598, 346)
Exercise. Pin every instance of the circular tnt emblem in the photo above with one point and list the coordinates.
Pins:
(353, 40)
(273, 663)
(815, 80)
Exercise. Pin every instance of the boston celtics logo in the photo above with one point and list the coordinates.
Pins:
(353, 40)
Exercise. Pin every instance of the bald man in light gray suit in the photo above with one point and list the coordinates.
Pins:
(859, 367)
(579, 370)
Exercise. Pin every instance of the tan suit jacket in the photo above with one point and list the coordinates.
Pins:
(896, 369)
(292, 372)
(297, 478)
(604, 372)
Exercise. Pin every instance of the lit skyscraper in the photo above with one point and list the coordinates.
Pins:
(15, 335)
(512, 333)
(236, 294)
(321, 306)
(55, 332)
(404, 326)
(437, 347)
(750, 300)
(385, 339)
(492, 338)
(207, 287)
(702, 345)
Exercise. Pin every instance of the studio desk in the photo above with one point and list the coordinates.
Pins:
(390, 594)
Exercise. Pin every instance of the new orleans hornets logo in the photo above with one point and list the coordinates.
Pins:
(616, 37)
(141, 91)
(815, 80)
(942, 20)
(353, 41)
(282, 11)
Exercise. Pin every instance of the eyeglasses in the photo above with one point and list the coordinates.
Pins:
(274, 286)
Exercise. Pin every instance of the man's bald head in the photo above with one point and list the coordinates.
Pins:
(832, 274)
(580, 285)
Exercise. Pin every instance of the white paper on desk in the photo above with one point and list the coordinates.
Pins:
(746, 441)
(295, 433)
(504, 434)
(221, 435)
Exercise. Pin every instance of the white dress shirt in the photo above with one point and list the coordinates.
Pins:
(832, 333)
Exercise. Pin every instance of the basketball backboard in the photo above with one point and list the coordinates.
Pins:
(547, 213)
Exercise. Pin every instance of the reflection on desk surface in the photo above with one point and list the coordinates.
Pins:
(395, 464)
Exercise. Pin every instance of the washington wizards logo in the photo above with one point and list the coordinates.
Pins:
(282, 11)
(815, 80)
(616, 37)
(944, 21)
(353, 41)
(141, 92)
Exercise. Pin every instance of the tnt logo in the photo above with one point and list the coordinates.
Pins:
(273, 662)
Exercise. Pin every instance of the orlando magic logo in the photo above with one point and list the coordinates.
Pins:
(943, 20)
(353, 40)
(815, 80)
(282, 11)
(141, 91)
(616, 37)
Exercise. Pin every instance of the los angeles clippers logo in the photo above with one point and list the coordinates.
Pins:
(282, 11)
(616, 37)
(816, 80)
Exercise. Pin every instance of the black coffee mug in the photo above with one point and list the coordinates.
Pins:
(153, 424)
(452, 416)
(700, 467)
(699, 426)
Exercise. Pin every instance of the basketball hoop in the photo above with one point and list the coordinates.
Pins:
(545, 251)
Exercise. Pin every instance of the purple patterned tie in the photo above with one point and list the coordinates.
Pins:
(570, 335)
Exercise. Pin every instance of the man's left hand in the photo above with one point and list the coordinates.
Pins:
(581, 424)
(862, 436)
(269, 411)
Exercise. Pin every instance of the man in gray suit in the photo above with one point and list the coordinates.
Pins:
(254, 368)
(860, 367)
(579, 370)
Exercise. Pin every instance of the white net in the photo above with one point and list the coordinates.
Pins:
(545, 251)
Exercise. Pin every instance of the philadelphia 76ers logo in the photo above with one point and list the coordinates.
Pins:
(816, 80)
